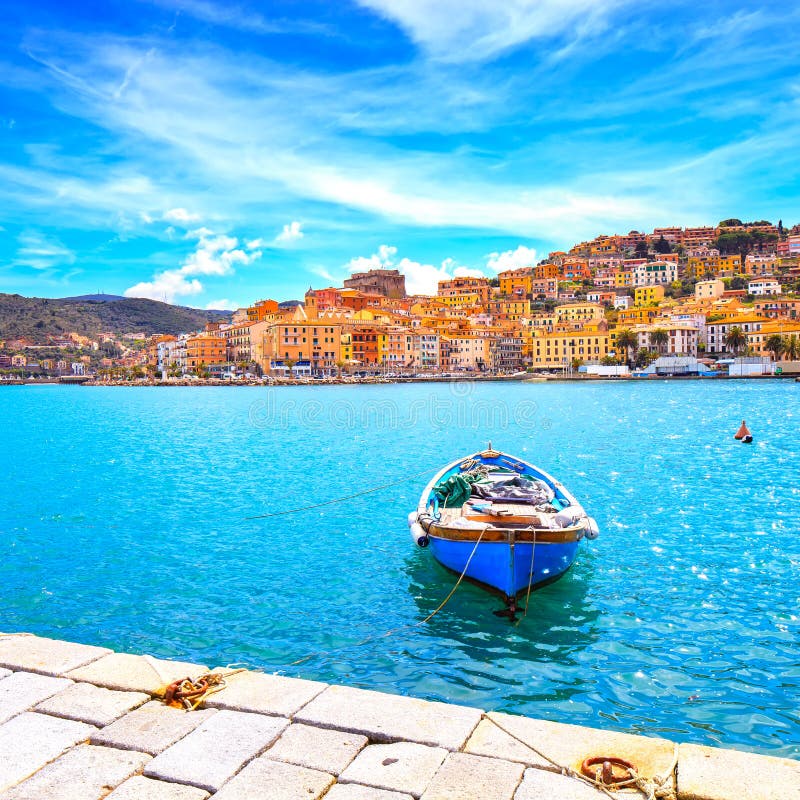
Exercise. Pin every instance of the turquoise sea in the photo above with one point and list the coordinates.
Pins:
(123, 524)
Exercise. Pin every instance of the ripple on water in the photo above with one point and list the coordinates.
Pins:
(123, 522)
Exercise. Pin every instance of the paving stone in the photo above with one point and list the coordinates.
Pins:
(401, 766)
(217, 749)
(23, 690)
(265, 694)
(93, 704)
(46, 656)
(708, 773)
(150, 729)
(140, 788)
(466, 777)
(130, 673)
(29, 741)
(263, 779)
(388, 718)
(539, 784)
(353, 791)
(568, 745)
(317, 748)
(83, 773)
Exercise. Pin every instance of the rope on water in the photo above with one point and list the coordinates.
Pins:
(393, 631)
(341, 499)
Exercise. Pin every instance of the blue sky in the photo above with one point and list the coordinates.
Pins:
(215, 153)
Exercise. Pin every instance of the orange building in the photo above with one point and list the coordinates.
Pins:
(312, 346)
(516, 282)
(261, 310)
(465, 286)
(365, 345)
(205, 350)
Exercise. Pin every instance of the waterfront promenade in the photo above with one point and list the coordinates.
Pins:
(79, 722)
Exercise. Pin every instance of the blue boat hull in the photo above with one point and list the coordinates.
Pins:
(493, 566)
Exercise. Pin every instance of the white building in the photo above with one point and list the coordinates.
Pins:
(683, 338)
(623, 301)
(655, 272)
(718, 331)
(763, 286)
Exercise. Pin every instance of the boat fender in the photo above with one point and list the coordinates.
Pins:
(592, 528)
(419, 536)
(569, 515)
(412, 518)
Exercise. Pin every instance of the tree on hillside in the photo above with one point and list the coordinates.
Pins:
(626, 340)
(736, 339)
(775, 345)
(658, 339)
(662, 245)
(730, 223)
(641, 250)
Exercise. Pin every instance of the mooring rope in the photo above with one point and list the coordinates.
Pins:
(653, 789)
(530, 581)
(341, 499)
(393, 631)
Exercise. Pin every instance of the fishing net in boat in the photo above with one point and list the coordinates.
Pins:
(454, 491)
(513, 489)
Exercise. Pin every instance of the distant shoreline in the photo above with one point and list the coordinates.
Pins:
(386, 381)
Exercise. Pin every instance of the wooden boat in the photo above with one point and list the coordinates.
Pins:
(503, 522)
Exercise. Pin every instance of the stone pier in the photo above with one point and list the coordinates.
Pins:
(79, 722)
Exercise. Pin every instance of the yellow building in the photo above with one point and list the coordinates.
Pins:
(648, 295)
(636, 316)
(783, 328)
(510, 309)
(579, 312)
(709, 290)
(465, 300)
(516, 282)
(561, 348)
(624, 279)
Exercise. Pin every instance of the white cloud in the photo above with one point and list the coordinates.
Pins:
(255, 244)
(474, 30)
(180, 216)
(222, 305)
(214, 255)
(199, 233)
(166, 286)
(511, 259)
(290, 233)
(42, 252)
(145, 217)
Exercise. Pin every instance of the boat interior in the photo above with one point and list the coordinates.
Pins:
(491, 490)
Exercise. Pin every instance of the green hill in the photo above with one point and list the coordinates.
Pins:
(35, 318)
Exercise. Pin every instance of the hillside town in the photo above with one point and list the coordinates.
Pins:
(677, 301)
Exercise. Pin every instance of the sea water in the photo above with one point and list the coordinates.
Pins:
(124, 524)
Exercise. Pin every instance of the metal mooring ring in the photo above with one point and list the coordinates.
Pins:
(605, 776)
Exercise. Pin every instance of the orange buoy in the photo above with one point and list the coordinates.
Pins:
(743, 432)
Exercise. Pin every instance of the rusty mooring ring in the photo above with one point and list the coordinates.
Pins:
(605, 776)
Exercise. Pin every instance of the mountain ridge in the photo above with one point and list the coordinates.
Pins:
(37, 318)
